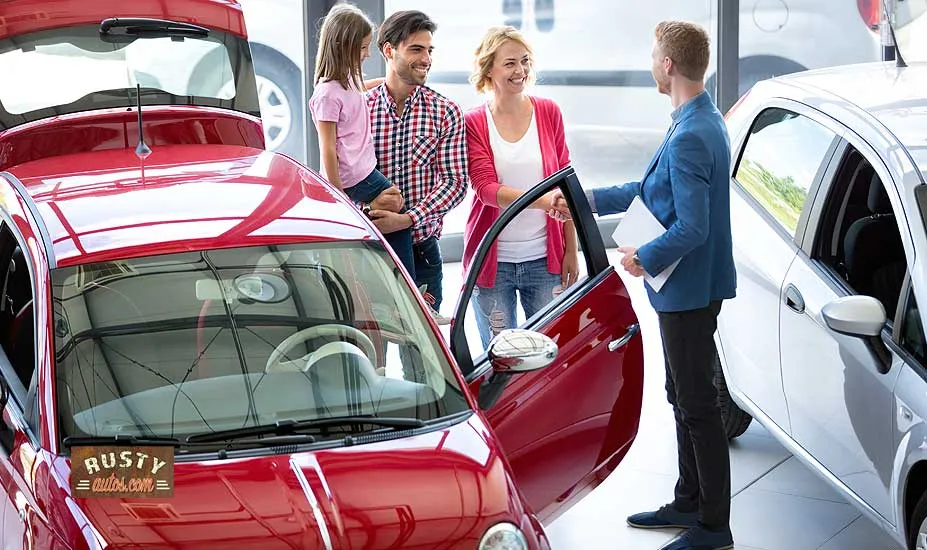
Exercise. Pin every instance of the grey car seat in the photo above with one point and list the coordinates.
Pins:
(873, 250)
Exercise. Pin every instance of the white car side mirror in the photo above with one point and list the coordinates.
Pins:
(861, 316)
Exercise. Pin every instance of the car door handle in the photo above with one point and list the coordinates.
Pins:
(619, 342)
(793, 299)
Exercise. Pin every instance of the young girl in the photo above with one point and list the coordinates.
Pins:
(342, 119)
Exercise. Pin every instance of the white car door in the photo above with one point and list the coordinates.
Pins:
(839, 387)
(781, 161)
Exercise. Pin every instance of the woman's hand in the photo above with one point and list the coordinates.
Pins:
(569, 271)
(544, 202)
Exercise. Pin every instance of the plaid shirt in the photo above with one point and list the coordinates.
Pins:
(424, 153)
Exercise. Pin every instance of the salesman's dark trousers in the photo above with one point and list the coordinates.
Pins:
(704, 482)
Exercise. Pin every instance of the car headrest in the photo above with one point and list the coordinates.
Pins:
(878, 199)
(280, 257)
(272, 259)
(330, 362)
(335, 349)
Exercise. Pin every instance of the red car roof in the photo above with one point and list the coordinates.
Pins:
(104, 205)
(26, 16)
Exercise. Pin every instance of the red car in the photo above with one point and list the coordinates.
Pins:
(202, 345)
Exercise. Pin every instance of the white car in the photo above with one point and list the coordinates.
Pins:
(824, 343)
(276, 33)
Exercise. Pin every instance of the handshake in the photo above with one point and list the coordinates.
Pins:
(555, 204)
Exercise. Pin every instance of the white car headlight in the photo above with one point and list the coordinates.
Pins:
(503, 536)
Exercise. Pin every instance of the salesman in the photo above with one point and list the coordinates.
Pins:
(686, 187)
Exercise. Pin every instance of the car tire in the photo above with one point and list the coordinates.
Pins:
(279, 83)
(280, 95)
(918, 525)
(735, 420)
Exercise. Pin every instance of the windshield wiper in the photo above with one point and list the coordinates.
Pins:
(121, 439)
(158, 441)
(140, 27)
(284, 427)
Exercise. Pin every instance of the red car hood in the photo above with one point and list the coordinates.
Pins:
(442, 489)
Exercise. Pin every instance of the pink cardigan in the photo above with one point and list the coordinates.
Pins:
(485, 182)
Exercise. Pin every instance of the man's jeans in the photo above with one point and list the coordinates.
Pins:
(400, 241)
(428, 268)
(704, 483)
(495, 306)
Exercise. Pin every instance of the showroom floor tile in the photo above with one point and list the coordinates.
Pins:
(777, 504)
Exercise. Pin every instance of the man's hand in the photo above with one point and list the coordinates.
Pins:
(558, 209)
(629, 263)
(388, 222)
(390, 200)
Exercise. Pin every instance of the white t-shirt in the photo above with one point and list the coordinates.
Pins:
(518, 165)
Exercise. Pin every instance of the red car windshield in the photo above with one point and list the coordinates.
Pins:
(73, 69)
(199, 342)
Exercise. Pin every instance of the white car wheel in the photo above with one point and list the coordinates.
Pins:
(917, 539)
(276, 112)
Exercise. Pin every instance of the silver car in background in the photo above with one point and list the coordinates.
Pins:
(824, 343)
(276, 32)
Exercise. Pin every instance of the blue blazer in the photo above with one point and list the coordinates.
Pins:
(687, 188)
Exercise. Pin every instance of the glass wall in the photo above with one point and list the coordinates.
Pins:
(276, 32)
(592, 58)
(784, 36)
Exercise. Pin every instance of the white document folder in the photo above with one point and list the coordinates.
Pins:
(638, 227)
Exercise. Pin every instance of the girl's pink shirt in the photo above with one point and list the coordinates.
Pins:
(330, 102)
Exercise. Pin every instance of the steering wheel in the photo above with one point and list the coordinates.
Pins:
(277, 363)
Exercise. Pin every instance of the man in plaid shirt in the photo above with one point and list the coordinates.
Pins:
(420, 143)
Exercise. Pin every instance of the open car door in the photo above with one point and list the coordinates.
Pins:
(564, 427)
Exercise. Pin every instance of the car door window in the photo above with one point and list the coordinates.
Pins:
(17, 330)
(523, 280)
(858, 240)
(780, 162)
(911, 335)
(518, 282)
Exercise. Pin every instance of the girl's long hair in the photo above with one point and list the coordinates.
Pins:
(341, 38)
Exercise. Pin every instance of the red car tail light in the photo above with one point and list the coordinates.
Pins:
(871, 12)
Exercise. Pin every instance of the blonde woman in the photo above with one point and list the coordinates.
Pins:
(514, 141)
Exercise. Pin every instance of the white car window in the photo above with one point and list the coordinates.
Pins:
(781, 158)
(912, 330)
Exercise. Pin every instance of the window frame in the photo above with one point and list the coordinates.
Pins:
(906, 355)
(813, 229)
(809, 113)
(23, 405)
(589, 241)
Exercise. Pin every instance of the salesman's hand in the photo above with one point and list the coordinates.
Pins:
(628, 262)
(391, 200)
(388, 222)
(558, 209)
